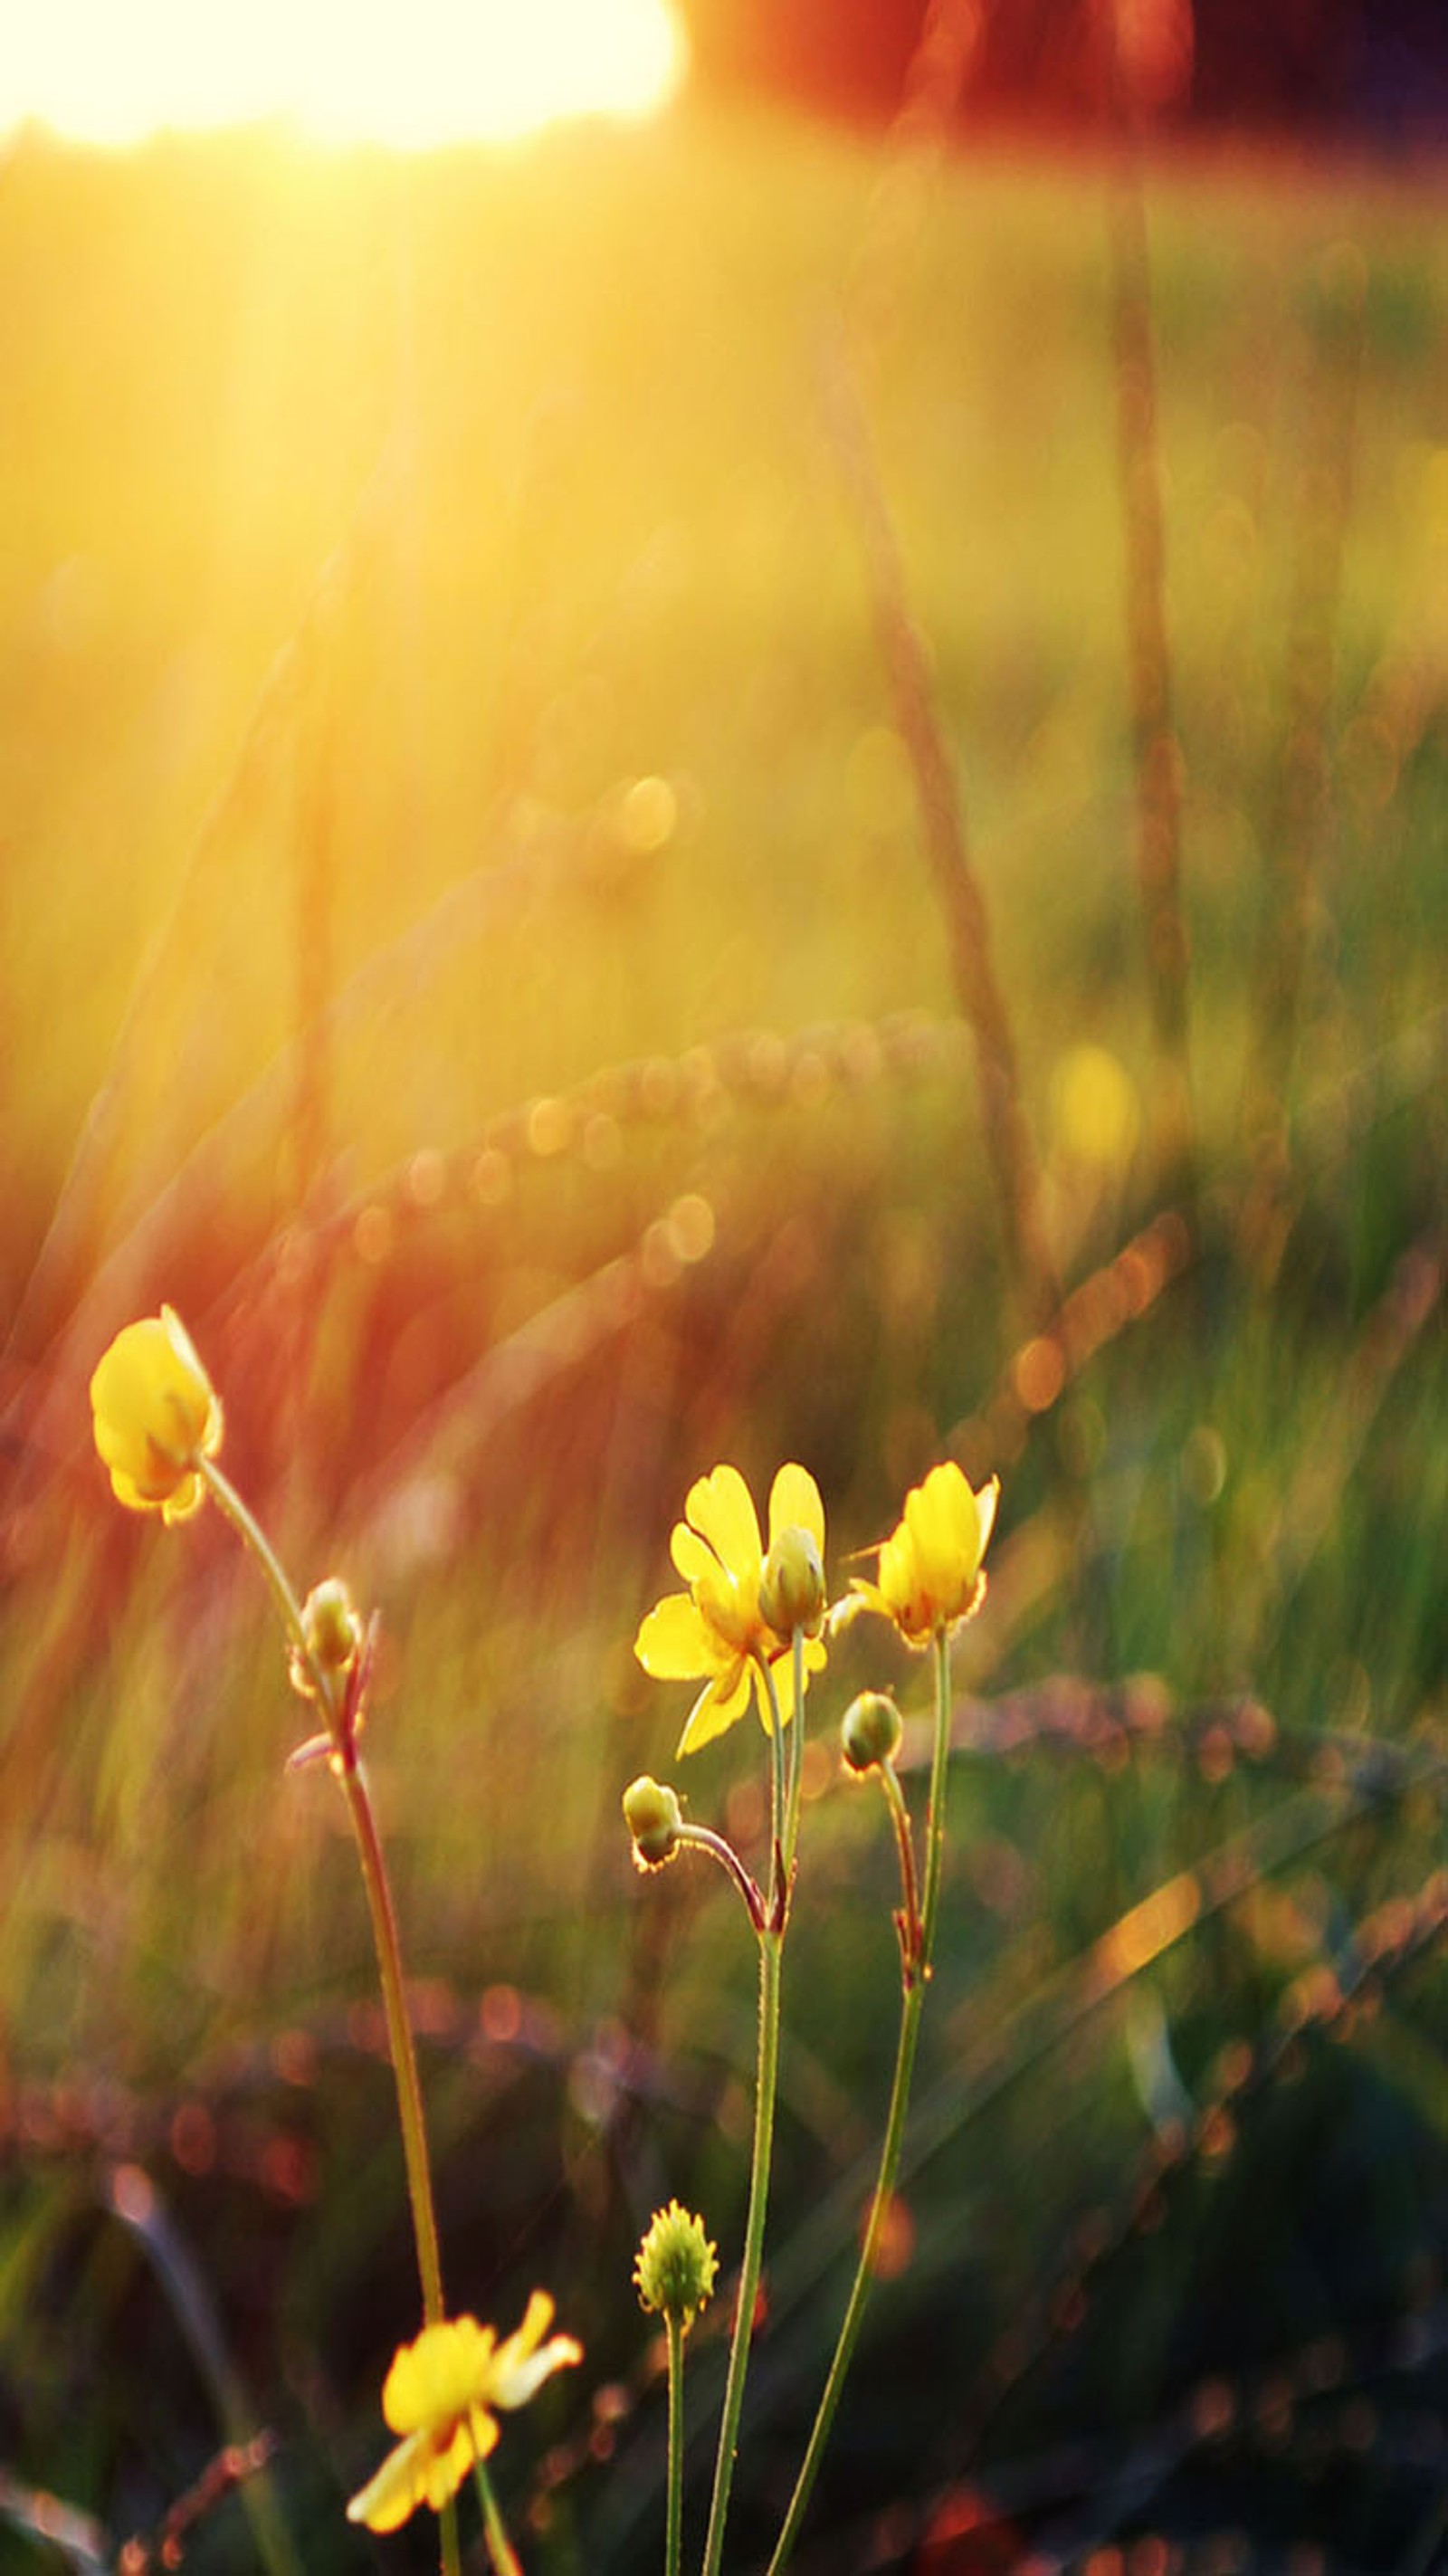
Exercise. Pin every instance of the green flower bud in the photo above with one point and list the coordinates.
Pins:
(677, 2266)
(792, 1585)
(334, 1631)
(653, 1816)
(332, 1625)
(870, 1731)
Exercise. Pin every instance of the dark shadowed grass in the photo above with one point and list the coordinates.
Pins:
(529, 1063)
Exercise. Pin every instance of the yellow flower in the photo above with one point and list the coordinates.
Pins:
(717, 1630)
(156, 1416)
(440, 2395)
(929, 1574)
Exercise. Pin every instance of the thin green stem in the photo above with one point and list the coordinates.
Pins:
(776, 1789)
(504, 2556)
(911, 2008)
(346, 1765)
(673, 2545)
(289, 1610)
(909, 1915)
(935, 1812)
(796, 1750)
(771, 1944)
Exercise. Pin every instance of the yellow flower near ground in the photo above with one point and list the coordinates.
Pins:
(930, 1567)
(716, 1631)
(156, 1415)
(441, 2395)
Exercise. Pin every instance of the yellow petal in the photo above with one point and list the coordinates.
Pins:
(524, 2361)
(944, 1527)
(985, 1504)
(782, 1670)
(425, 2469)
(794, 1503)
(397, 2489)
(717, 1706)
(435, 2379)
(721, 1509)
(444, 2469)
(693, 1557)
(902, 1581)
(675, 1642)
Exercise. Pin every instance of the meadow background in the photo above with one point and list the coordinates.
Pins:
(471, 942)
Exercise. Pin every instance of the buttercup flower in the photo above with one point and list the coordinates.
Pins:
(440, 2395)
(716, 1630)
(156, 1416)
(929, 1574)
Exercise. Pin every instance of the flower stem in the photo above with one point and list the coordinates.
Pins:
(673, 2545)
(911, 2007)
(909, 1916)
(703, 1838)
(771, 1945)
(504, 2556)
(776, 1792)
(399, 2035)
(935, 1812)
(796, 1750)
(346, 1764)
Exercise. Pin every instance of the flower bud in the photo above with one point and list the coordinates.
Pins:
(792, 1585)
(653, 1816)
(870, 1731)
(333, 1629)
(677, 2266)
(332, 1624)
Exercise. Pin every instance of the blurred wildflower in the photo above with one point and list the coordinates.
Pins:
(157, 1416)
(440, 2395)
(677, 2266)
(930, 1567)
(718, 1629)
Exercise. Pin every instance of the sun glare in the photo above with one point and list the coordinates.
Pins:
(403, 72)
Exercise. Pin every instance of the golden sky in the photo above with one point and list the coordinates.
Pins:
(405, 72)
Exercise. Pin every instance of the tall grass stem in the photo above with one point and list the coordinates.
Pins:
(1010, 1145)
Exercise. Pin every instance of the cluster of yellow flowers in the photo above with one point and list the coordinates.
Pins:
(929, 1579)
(752, 1619)
(158, 1417)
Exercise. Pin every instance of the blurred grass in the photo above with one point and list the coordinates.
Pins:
(516, 1029)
